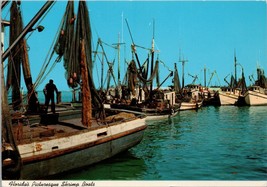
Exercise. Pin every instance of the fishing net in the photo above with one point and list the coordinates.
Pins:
(73, 33)
(19, 58)
(176, 81)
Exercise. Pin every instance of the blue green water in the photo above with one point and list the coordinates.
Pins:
(215, 143)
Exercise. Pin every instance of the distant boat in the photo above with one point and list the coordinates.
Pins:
(236, 88)
(155, 104)
(210, 93)
(162, 106)
(187, 97)
(192, 99)
(190, 106)
(257, 94)
(37, 146)
(228, 96)
(138, 92)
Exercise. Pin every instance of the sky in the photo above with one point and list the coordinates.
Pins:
(205, 33)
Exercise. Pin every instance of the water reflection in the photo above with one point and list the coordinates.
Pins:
(215, 143)
(125, 166)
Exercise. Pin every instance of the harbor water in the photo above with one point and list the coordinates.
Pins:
(213, 143)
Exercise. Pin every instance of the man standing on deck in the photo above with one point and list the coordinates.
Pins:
(49, 90)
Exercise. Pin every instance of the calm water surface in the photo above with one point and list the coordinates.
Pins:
(215, 143)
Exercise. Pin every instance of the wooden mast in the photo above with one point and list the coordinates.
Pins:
(14, 62)
(205, 71)
(183, 63)
(86, 96)
(235, 64)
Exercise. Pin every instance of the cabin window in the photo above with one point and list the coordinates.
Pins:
(102, 134)
(55, 147)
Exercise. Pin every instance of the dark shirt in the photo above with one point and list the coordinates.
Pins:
(50, 88)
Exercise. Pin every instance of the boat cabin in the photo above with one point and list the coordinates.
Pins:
(258, 89)
(235, 91)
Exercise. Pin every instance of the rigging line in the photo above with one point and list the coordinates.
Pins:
(103, 51)
(42, 72)
(97, 74)
(31, 93)
(13, 55)
(108, 45)
(114, 47)
(47, 61)
(105, 81)
(108, 77)
(94, 28)
(165, 65)
(45, 14)
(107, 61)
(48, 72)
(158, 50)
(43, 68)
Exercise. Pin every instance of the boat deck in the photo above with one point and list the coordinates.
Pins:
(31, 128)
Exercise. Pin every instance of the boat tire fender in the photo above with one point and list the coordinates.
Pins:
(11, 171)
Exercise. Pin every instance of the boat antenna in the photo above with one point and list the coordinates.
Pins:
(183, 61)
(205, 76)
(152, 59)
(235, 63)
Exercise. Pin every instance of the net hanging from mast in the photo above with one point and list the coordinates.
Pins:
(74, 33)
(19, 58)
(176, 81)
(14, 61)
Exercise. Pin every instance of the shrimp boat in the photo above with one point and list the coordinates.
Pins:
(138, 92)
(228, 95)
(257, 94)
(231, 94)
(34, 145)
(187, 97)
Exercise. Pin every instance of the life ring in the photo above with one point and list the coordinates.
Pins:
(11, 171)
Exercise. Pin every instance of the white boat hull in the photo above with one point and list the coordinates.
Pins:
(190, 106)
(159, 117)
(253, 98)
(227, 98)
(67, 152)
